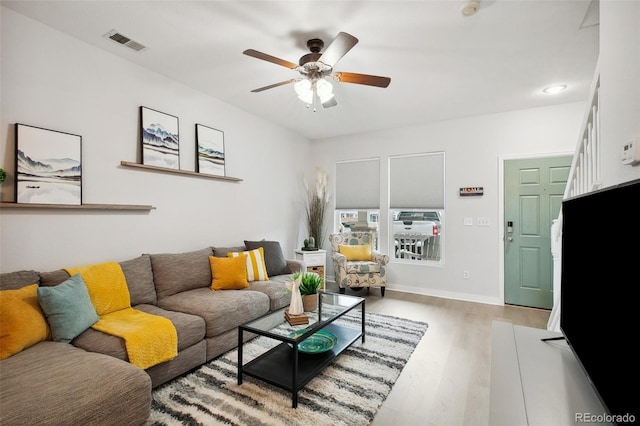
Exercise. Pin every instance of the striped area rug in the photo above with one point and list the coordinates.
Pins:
(348, 392)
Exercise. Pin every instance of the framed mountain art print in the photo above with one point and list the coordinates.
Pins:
(210, 150)
(48, 166)
(160, 139)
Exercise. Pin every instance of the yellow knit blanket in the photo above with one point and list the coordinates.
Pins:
(149, 339)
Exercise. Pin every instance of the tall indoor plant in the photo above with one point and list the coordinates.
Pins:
(316, 206)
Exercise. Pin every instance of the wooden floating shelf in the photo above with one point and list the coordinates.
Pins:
(179, 172)
(76, 207)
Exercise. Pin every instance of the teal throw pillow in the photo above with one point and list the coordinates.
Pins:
(68, 308)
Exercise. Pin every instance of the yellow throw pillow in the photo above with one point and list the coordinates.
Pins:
(256, 268)
(22, 322)
(356, 252)
(229, 273)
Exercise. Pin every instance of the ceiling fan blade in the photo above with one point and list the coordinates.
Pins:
(369, 80)
(269, 58)
(282, 83)
(330, 103)
(338, 48)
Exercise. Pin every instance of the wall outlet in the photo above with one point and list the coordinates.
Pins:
(465, 275)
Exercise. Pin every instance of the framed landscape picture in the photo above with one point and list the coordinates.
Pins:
(210, 150)
(48, 166)
(160, 139)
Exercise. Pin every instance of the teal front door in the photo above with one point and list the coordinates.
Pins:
(533, 191)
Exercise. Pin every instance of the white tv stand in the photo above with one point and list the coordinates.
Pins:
(535, 382)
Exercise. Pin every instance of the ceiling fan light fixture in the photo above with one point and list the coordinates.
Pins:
(324, 89)
(316, 67)
(302, 87)
(307, 98)
(303, 90)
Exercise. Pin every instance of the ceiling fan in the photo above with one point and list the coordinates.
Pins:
(317, 67)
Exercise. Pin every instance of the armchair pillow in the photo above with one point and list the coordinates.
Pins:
(356, 252)
(229, 273)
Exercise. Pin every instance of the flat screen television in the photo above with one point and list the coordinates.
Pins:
(599, 302)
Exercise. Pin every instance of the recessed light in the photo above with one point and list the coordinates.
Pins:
(470, 8)
(555, 89)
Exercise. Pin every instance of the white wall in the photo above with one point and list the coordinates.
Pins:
(474, 150)
(619, 63)
(54, 81)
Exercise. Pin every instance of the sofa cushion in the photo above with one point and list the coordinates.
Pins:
(137, 272)
(55, 383)
(229, 273)
(68, 308)
(221, 310)
(22, 322)
(224, 251)
(18, 279)
(273, 256)
(48, 279)
(190, 329)
(139, 277)
(275, 289)
(256, 269)
(177, 272)
(363, 267)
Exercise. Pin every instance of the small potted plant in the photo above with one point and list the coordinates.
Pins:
(310, 284)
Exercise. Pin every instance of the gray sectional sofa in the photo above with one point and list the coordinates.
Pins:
(90, 380)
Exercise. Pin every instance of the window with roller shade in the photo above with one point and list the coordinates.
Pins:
(416, 202)
(358, 196)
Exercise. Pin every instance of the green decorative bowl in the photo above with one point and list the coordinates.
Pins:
(317, 343)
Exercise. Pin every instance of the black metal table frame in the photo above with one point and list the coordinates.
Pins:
(271, 366)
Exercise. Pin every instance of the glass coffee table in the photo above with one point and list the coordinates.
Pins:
(305, 350)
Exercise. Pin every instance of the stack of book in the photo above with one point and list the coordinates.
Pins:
(296, 319)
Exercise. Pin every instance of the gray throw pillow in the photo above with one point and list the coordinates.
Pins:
(68, 308)
(273, 257)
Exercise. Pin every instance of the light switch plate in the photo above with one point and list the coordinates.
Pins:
(468, 221)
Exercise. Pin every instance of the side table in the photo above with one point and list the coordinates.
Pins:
(314, 261)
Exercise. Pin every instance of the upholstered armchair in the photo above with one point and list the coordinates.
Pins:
(355, 263)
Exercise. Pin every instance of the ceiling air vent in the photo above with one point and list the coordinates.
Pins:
(125, 41)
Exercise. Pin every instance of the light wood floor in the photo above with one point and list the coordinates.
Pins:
(447, 379)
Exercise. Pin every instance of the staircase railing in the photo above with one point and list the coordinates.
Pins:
(584, 176)
(585, 168)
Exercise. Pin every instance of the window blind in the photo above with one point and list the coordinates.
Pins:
(417, 181)
(358, 184)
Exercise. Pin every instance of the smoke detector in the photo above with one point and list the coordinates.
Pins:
(470, 8)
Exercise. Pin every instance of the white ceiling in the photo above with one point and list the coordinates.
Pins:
(442, 65)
